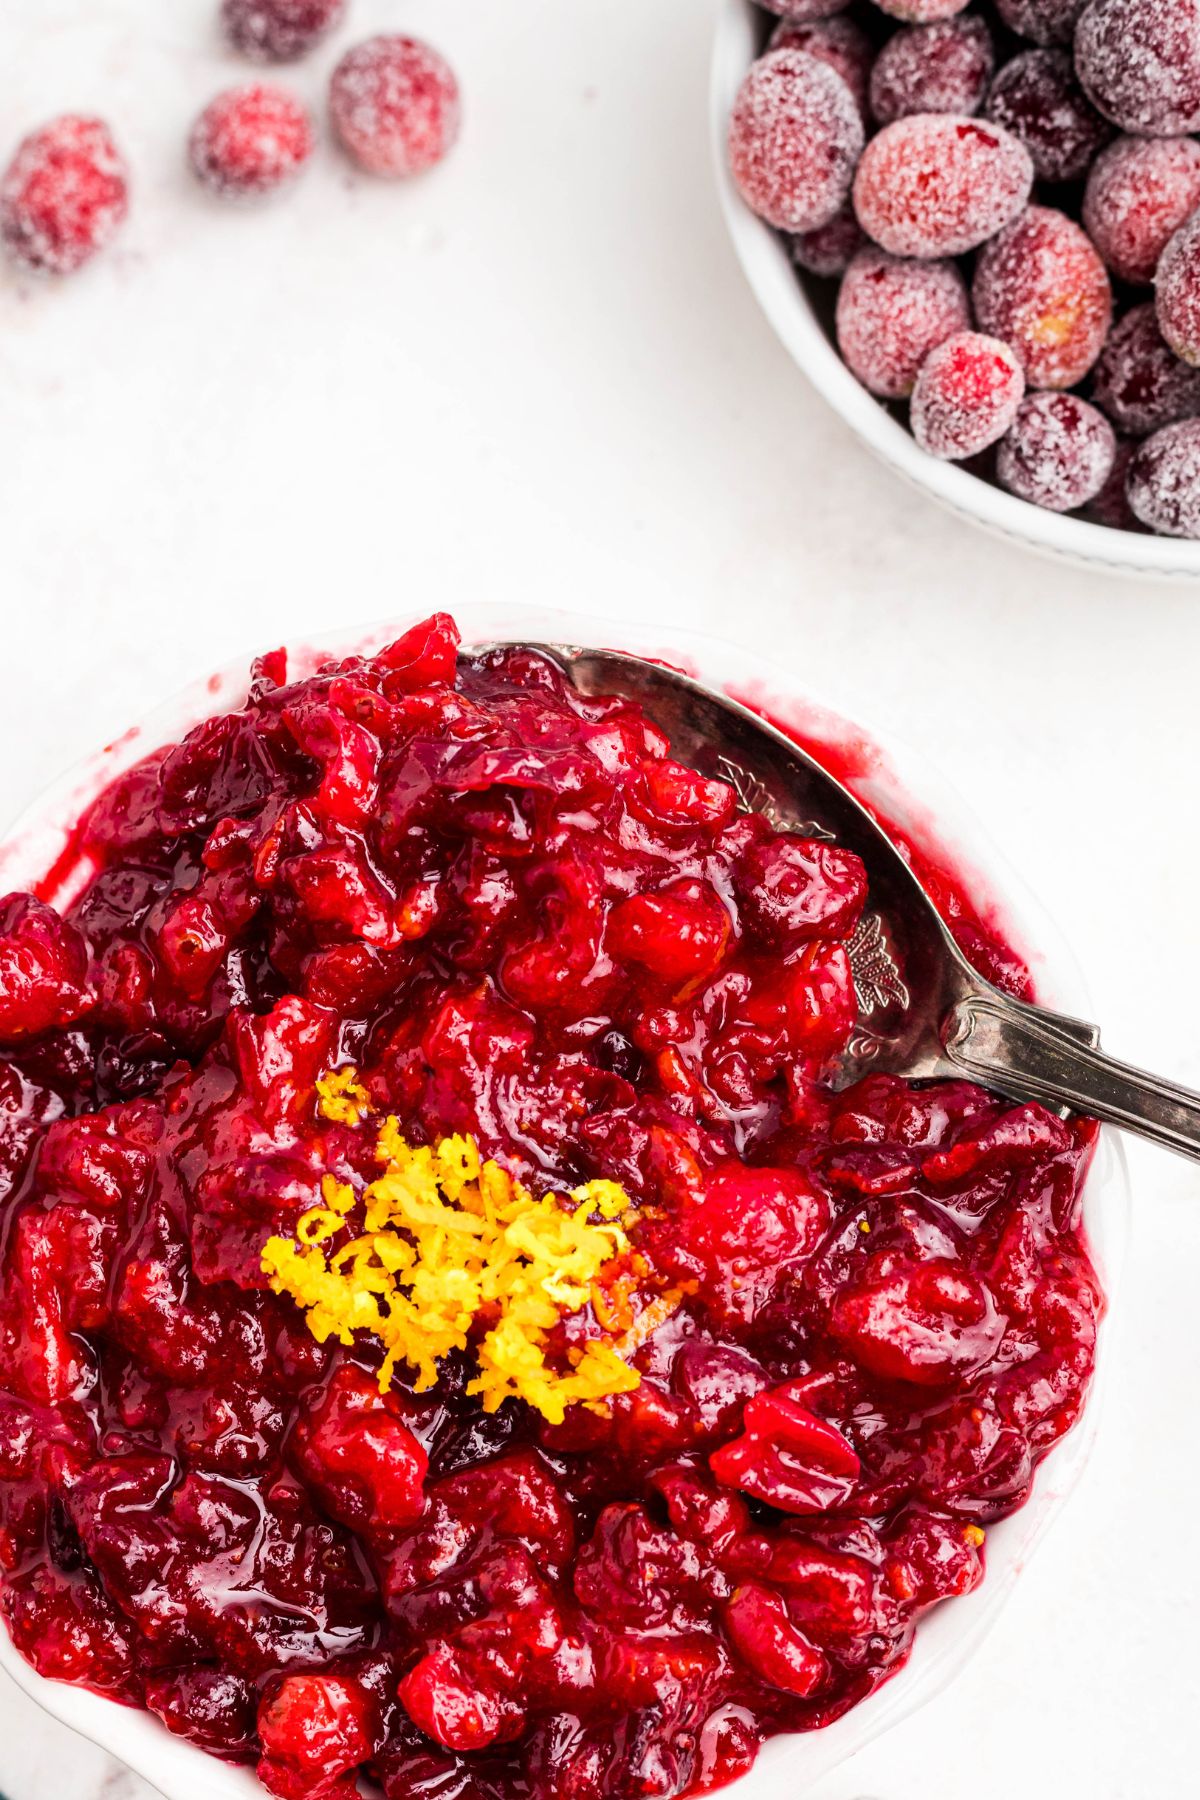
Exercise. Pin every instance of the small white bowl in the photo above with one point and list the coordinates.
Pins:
(908, 792)
(780, 292)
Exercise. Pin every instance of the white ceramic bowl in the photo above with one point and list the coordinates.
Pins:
(913, 796)
(769, 270)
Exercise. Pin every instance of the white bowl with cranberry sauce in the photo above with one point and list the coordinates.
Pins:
(792, 304)
(918, 802)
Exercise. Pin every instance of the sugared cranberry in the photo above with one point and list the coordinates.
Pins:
(1043, 21)
(804, 9)
(1140, 62)
(1038, 99)
(1058, 452)
(839, 42)
(921, 12)
(1163, 483)
(1139, 381)
(966, 396)
(1111, 505)
(892, 312)
(279, 30)
(795, 135)
(941, 68)
(251, 140)
(64, 195)
(937, 185)
(830, 249)
(1041, 287)
(395, 106)
(1139, 192)
(1177, 291)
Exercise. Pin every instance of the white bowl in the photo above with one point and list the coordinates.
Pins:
(769, 270)
(912, 796)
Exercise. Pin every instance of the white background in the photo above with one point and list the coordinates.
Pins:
(537, 375)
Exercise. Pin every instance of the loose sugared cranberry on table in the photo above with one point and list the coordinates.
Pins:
(966, 395)
(891, 312)
(795, 135)
(1037, 98)
(251, 141)
(395, 106)
(1040, 286)
(1163, 483)
(1140, 62)
(63, 196)
(1058, 452)
(279, 30)
(935, 184)
(1139, 381)
(942, 68)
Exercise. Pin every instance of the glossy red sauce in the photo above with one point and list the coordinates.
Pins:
(520, 919)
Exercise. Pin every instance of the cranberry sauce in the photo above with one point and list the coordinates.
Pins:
(518, 919)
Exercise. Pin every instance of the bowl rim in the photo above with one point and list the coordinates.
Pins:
(928, 806)
(772, 278)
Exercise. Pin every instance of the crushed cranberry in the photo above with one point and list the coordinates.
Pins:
(63, 196)
(520, 919)
(395, 106)
(251, 141)
(279, 30)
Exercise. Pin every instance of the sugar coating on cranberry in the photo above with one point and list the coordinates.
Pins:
(940, 68)
(279, 30)
(1140, 62)
(1057, 453)
(966, 396)
(891, 312)
(829, 249)
(1163, 483)
(1177, 291)
(1037, 98)
(395, 105)
(1041, 287)
(1042, 21)
(1111, 505)
(251, 140)
(804, 9)
(839, 42)
(795, 135)
(1139, 192)
(1139, 381)
(921, 12)
(64, 195)
(936, 184)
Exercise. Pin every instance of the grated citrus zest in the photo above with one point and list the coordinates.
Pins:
(442, 1239)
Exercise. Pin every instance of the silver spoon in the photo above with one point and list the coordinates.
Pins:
(923, 1010)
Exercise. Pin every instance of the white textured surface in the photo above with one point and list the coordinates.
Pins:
(538, 374)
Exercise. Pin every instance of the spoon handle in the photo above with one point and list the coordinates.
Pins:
(1024, 1052)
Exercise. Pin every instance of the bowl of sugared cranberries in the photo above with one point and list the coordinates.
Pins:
(317, 991)
(975, 225)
